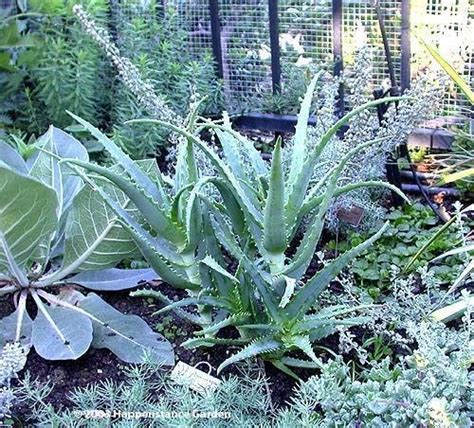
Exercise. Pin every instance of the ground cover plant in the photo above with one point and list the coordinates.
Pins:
(50, 228)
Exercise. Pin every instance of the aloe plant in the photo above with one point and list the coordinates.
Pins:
(58, 237)
(255, 211)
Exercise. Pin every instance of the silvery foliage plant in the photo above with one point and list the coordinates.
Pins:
(12, 360)
(369, 163)
(253, 210)
(58, 240)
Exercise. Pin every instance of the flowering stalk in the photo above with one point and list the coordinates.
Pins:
(128, 73)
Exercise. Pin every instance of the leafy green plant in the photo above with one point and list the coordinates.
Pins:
(255, 211)
(410, 228)
(50, 228)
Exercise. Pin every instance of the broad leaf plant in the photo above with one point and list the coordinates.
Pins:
(58, 241)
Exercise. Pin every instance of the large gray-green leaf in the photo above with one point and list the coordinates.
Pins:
(127, 336)
(94, 238)
(75, 328)
(112, 279)
(8, 326)
(27, 216)
(47, 169)
(12, 158)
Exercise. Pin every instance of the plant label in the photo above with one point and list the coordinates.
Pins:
(352, 215)
(194, 378)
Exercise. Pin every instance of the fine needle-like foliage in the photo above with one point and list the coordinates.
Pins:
(51, 227)
(253, 212)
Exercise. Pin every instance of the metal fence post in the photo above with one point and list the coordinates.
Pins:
(405, 42)
(274, 45)
(337, 48)
(216, 36)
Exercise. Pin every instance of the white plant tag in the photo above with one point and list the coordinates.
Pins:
(195, 379)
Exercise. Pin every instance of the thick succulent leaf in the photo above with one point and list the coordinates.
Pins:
(149, 208)
(452, 311)
(216, 267)
(225, 235)
(8, 327)
(137, 174)
(172, 305)
(304, 344)
(258, 347)
(211, 341)
(307, 295)
(233, 320)
(186, 169)
(94, 238)
(296, 362)
(46, 167)
(299, 152)
(170, 265)
(112, 279)
(27, 216)
(127, 336)
(252, 214)
(75, 329)
(274, 225)
(10, 157)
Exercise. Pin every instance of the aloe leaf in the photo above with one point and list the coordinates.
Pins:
(176, 306)
(224, 234)
(60, 333)
(137, 175)
(150, 209)
(28, 216)
(453, 74)
(211, 341)
(127, 336)
(252, 214)
(233, 320)
(305, 297)
(274, 225)
(428, 243)
(296, 362)
(280, 365)
(186, 169)
(304, 344)
(167, 263)
(256, 162)
(299, 151)
(190, 301)
(289, 291)
(255, 348)
(452, 311)
(312, 202)
(10, 157)
(112, 279)
(216, 267)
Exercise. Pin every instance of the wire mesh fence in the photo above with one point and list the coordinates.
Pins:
(306, 41)
(448, 25)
